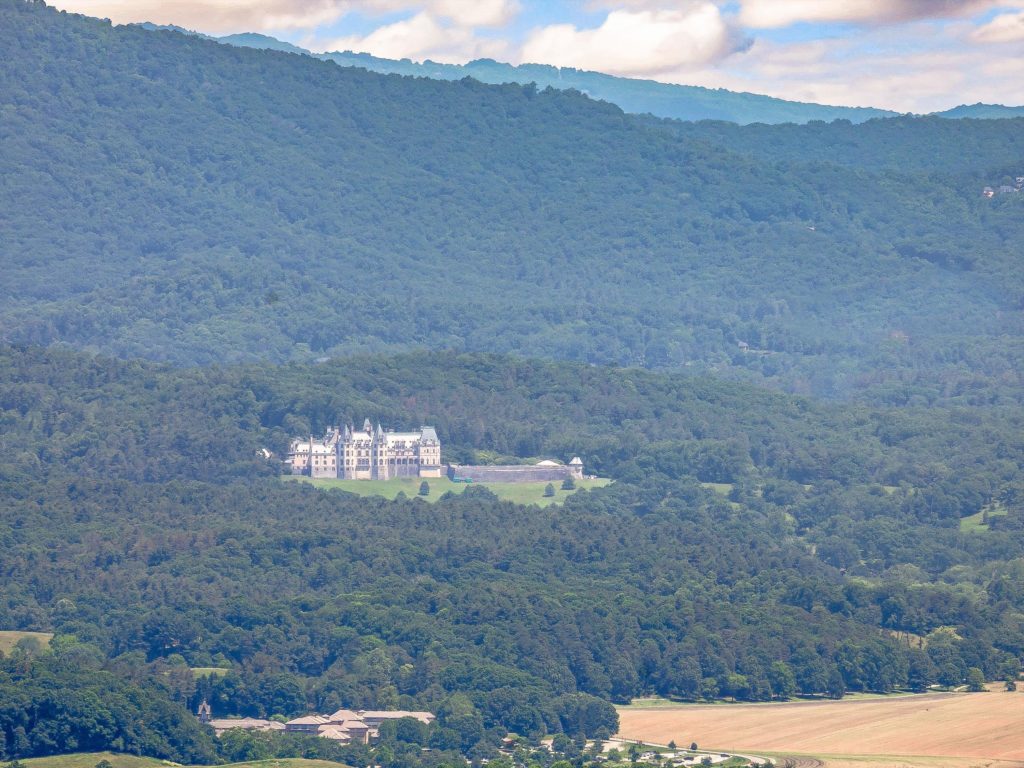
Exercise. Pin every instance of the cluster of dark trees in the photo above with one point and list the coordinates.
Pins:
(205, 203)
(138, 516)
(69, 699)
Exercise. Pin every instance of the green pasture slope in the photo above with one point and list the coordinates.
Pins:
(520, 493)
(9, 639)
(976, 522)
(90, 759)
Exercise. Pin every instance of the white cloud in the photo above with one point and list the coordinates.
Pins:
(1005, 28)
(476, 13)
(764, 14)
(216, 16)
(422, 36)
(219, 16)
(644, 42)
(874, 69)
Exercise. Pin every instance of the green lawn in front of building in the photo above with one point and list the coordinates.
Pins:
(520, 493)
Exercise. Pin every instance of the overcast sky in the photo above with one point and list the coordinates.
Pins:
(907, 55)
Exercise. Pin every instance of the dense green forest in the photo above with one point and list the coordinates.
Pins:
(165, 196)
(958, 150)
(140, 519)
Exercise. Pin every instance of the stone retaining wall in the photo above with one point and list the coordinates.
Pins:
(517, 473)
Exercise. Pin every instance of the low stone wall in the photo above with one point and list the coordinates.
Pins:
(517, 473)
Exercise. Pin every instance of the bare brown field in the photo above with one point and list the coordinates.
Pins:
(887, 761)
(956, 730)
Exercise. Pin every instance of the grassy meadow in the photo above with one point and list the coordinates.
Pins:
(976, 522)
(520, 493)
(9, 639)
(209, 671)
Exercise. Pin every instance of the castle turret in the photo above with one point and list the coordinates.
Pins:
(380, 454)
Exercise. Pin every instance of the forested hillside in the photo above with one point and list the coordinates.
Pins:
(168, 197)
(983, 111)
(138, 516)
(958, 151)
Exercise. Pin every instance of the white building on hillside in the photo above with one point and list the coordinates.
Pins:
(367, 454)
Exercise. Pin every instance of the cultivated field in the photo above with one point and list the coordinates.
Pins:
(520, 493)
(957, 730)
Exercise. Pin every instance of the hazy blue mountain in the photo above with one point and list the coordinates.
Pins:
(983, 111)
(263, 42)
(680, 102)
(683, 102)
(151, 27)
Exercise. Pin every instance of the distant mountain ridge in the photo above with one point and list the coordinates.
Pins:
(982, 112)
(680, 102)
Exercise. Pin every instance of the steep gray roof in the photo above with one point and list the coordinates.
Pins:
(429, 433)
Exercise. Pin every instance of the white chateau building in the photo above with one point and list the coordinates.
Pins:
(369, 454)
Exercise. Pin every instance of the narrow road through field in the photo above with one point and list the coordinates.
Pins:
(799, 762)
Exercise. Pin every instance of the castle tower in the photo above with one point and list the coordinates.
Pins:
(576, 467)
(380, 454)
(429, 451)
